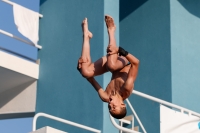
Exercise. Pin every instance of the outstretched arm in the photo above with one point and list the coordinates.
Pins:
(102, 94)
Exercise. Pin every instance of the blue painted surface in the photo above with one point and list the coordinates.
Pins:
(185, 22)
(62, 91)
(145, 32)
(20, 125)
(19, 49)
(7, 23)
(111, 7)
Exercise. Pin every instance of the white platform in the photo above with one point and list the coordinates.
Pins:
(18, 85)
(16, 71)
(20, 65)
(172, 121)
(48, 130)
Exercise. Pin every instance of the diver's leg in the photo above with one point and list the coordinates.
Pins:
(85, 65)
(114, 62)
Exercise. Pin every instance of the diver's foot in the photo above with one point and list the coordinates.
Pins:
(86, 32)
(110, 23)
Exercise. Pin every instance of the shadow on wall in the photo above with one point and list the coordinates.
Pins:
(8, 95)
(128, 6)
(191, 6)
(42, 1)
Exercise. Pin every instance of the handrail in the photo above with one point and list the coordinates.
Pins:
(17, 38)
(135, 114)
(122, 128)
(63, 121)
(11, 3)
(125, 129)
(152, 99)
(165, 103)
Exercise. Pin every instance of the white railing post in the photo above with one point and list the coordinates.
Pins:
(140, 123)
(63, 121)
(121, 124)
(121, 128)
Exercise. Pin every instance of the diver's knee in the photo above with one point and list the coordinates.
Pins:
(111, 67)
(86, 73)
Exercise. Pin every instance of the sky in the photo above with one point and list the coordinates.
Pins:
(22, 125)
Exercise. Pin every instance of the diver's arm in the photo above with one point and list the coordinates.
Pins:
(132, 74)
(102, 94)
(133, 71)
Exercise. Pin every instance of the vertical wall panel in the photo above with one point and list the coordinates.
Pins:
(145, 32)
(62, 91)
(111, 7)
(185, 50)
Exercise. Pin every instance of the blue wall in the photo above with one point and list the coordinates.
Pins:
(19, 49)
(62, 91)
(165, 37)
(185, 53)
(145, 32)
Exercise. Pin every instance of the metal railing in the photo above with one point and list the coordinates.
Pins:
(125, 129)
(155, 100)
(19, 39)
(15, 37)
(190, 112)
(120, 127)
(63, 121)
(135, 115)
(11, 3)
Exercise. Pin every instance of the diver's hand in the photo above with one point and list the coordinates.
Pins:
(112, 49)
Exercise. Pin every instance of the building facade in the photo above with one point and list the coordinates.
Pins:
(162, 35)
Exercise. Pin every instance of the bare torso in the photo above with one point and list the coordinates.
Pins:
(117, 81)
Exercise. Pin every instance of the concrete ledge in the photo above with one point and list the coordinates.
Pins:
(19, 65)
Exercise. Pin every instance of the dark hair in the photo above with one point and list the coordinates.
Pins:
(121, 115)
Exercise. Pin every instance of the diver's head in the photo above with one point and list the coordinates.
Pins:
(116, 106)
